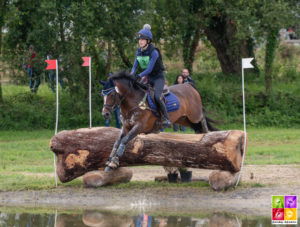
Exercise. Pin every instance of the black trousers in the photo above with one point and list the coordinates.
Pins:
(158, 83)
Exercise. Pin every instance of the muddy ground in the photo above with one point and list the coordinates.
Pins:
(245, 199)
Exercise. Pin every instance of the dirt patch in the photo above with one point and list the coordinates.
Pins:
(268, 175)
(276, 180)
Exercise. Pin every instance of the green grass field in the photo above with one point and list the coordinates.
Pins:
(26, 161)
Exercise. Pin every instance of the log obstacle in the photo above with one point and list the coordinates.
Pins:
(84, 150)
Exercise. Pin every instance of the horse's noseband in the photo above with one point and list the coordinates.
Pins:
(111, 107)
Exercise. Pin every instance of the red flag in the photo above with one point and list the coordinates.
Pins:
(86, 61)
(51, 64)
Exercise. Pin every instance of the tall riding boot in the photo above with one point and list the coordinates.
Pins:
(166, 122)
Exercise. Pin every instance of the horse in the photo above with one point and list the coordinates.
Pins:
(122, 89)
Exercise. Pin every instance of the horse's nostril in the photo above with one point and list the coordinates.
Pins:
(106, 114)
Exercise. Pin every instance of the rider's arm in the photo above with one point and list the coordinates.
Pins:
(134, 67)
(154, 57)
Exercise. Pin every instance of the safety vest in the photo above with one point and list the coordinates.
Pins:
(143, 58)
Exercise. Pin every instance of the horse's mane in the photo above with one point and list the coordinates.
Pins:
(126, 76)
(122, 75)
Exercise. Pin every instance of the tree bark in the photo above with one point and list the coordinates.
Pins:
(2, 12)
(101, 178)
(221, 33)
(269, 58)
(123, 56)
(108, 62)
(83, 150)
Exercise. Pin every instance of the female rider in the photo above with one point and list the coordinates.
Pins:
(149, 59)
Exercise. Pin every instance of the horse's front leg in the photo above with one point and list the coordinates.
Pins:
(115, 147)
(114, 160)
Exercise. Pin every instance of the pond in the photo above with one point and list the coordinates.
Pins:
(41, 217)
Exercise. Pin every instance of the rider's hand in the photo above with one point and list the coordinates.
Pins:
(143, 80)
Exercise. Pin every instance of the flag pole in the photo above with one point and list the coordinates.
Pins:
(245, 64)
(52, 64)
(90, 91)
(56, 124)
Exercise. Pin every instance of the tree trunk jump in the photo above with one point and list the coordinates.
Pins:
(83, 150)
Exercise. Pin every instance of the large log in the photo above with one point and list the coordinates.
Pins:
(83, 150)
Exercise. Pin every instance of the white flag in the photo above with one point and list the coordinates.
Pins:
(246, 63)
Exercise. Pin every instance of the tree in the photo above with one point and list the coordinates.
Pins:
(103, 29)
(186, 22)
(3, 6)
(230, 26)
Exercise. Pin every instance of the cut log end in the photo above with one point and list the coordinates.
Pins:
(222, 180)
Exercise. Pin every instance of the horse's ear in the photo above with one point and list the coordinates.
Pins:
(102, 82)
(112, 83)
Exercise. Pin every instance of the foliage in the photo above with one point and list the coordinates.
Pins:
(27, 111)
(67, 29)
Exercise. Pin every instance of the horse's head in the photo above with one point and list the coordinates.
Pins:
(111, 98)
(118, 87)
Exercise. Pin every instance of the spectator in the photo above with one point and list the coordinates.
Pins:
(186, 77)
(33, 69)
(291, 32)
(176, 127)
(52, 75)
(117, 117)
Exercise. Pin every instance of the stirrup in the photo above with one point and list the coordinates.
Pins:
(166, 123)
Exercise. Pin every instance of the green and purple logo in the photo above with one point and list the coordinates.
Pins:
(284, 209)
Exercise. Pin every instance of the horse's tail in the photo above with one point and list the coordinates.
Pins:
(209, 121)
(210, 126)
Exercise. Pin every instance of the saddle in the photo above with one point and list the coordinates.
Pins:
(169, 98)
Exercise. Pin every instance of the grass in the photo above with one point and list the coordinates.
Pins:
(26, 162)
(273, 146)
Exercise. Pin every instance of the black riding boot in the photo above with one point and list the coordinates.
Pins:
(166, 122)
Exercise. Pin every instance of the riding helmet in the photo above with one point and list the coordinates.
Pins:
(145, 33)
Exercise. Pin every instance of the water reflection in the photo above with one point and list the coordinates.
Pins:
(109, 219)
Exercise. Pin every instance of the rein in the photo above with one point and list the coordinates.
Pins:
(110, 106)
(141, 105)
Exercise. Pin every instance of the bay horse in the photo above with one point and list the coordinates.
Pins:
(123, 89)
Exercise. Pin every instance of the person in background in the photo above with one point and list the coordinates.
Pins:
(176, 127)
(186, 77)
(117, 118)
(33, 69)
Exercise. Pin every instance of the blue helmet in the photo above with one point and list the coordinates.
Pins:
(145, 33)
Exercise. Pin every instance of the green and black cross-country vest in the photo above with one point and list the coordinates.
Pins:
(143, 58)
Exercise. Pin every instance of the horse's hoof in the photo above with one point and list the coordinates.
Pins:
(113, 165)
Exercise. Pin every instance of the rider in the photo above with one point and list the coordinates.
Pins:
(149, 59)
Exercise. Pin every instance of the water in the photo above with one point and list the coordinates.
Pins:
(16, 217)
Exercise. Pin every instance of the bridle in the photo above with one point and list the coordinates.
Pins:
(111, 107)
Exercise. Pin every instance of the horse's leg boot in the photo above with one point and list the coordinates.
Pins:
(114, 163)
